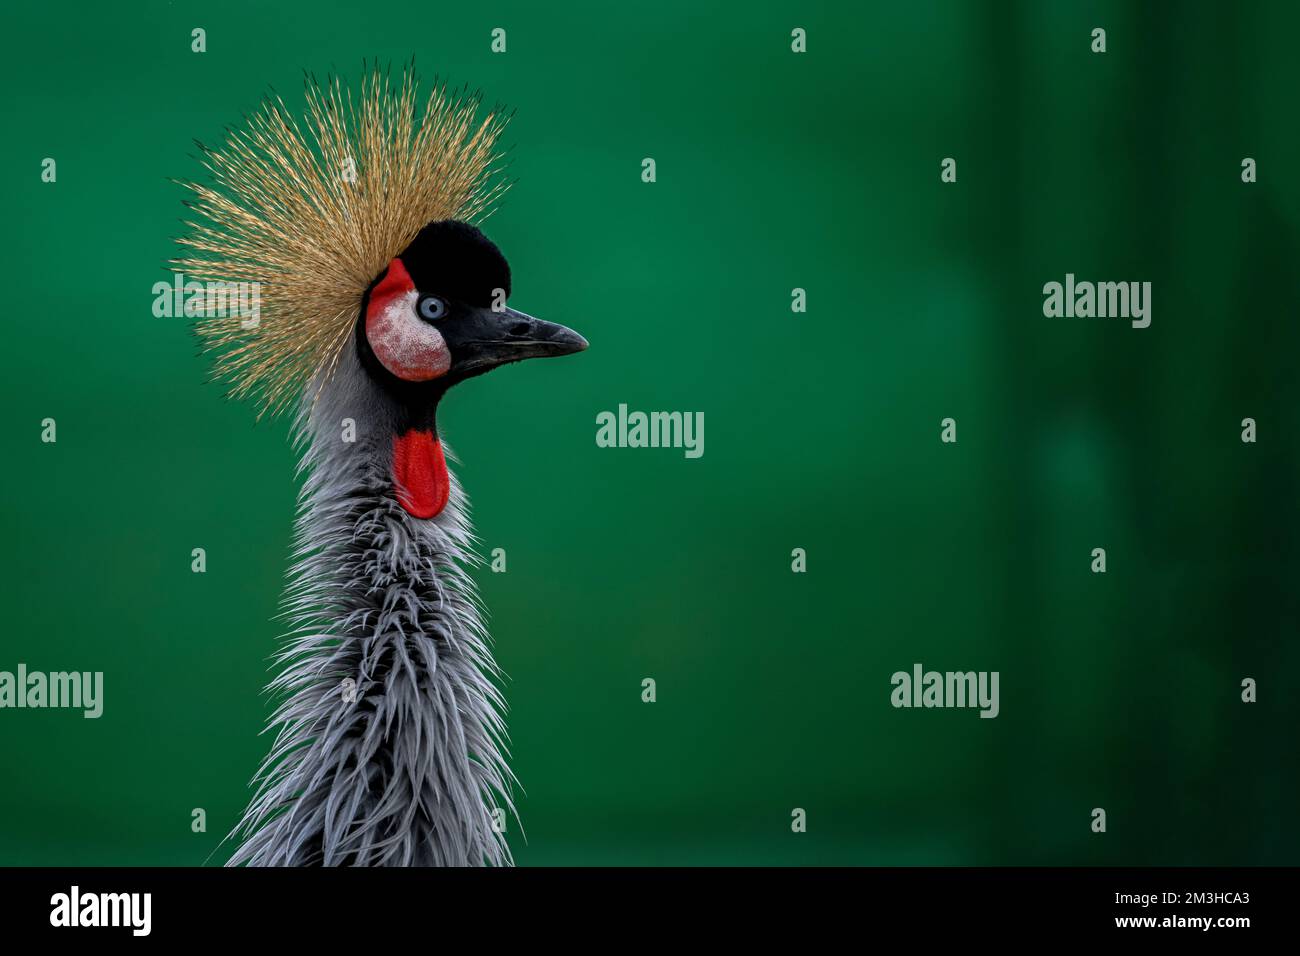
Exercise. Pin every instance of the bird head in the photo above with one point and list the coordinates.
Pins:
(437, 315)
(353, 225)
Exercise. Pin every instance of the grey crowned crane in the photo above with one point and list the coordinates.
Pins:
(376, 297)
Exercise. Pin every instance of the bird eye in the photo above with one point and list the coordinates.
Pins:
(431, 307)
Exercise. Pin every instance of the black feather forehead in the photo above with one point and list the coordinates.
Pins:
(455, 260)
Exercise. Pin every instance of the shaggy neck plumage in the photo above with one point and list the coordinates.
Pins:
(405, 765)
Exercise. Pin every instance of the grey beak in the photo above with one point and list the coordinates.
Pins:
(494, 338)
(542, 338)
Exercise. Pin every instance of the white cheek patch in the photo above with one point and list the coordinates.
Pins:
(409, 348)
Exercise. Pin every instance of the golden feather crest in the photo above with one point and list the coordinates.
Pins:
(312, 212)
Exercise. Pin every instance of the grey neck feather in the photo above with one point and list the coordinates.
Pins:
(412, 772)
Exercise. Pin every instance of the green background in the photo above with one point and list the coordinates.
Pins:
(775, 171)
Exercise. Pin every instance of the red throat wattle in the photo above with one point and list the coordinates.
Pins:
(420, 473)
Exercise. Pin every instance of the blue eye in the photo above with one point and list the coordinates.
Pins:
(431, 307)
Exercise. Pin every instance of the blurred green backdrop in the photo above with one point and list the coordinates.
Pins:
(775, 171)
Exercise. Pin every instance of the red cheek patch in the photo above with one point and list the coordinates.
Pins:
(407, 346)
(420, 473)
(395, 282)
